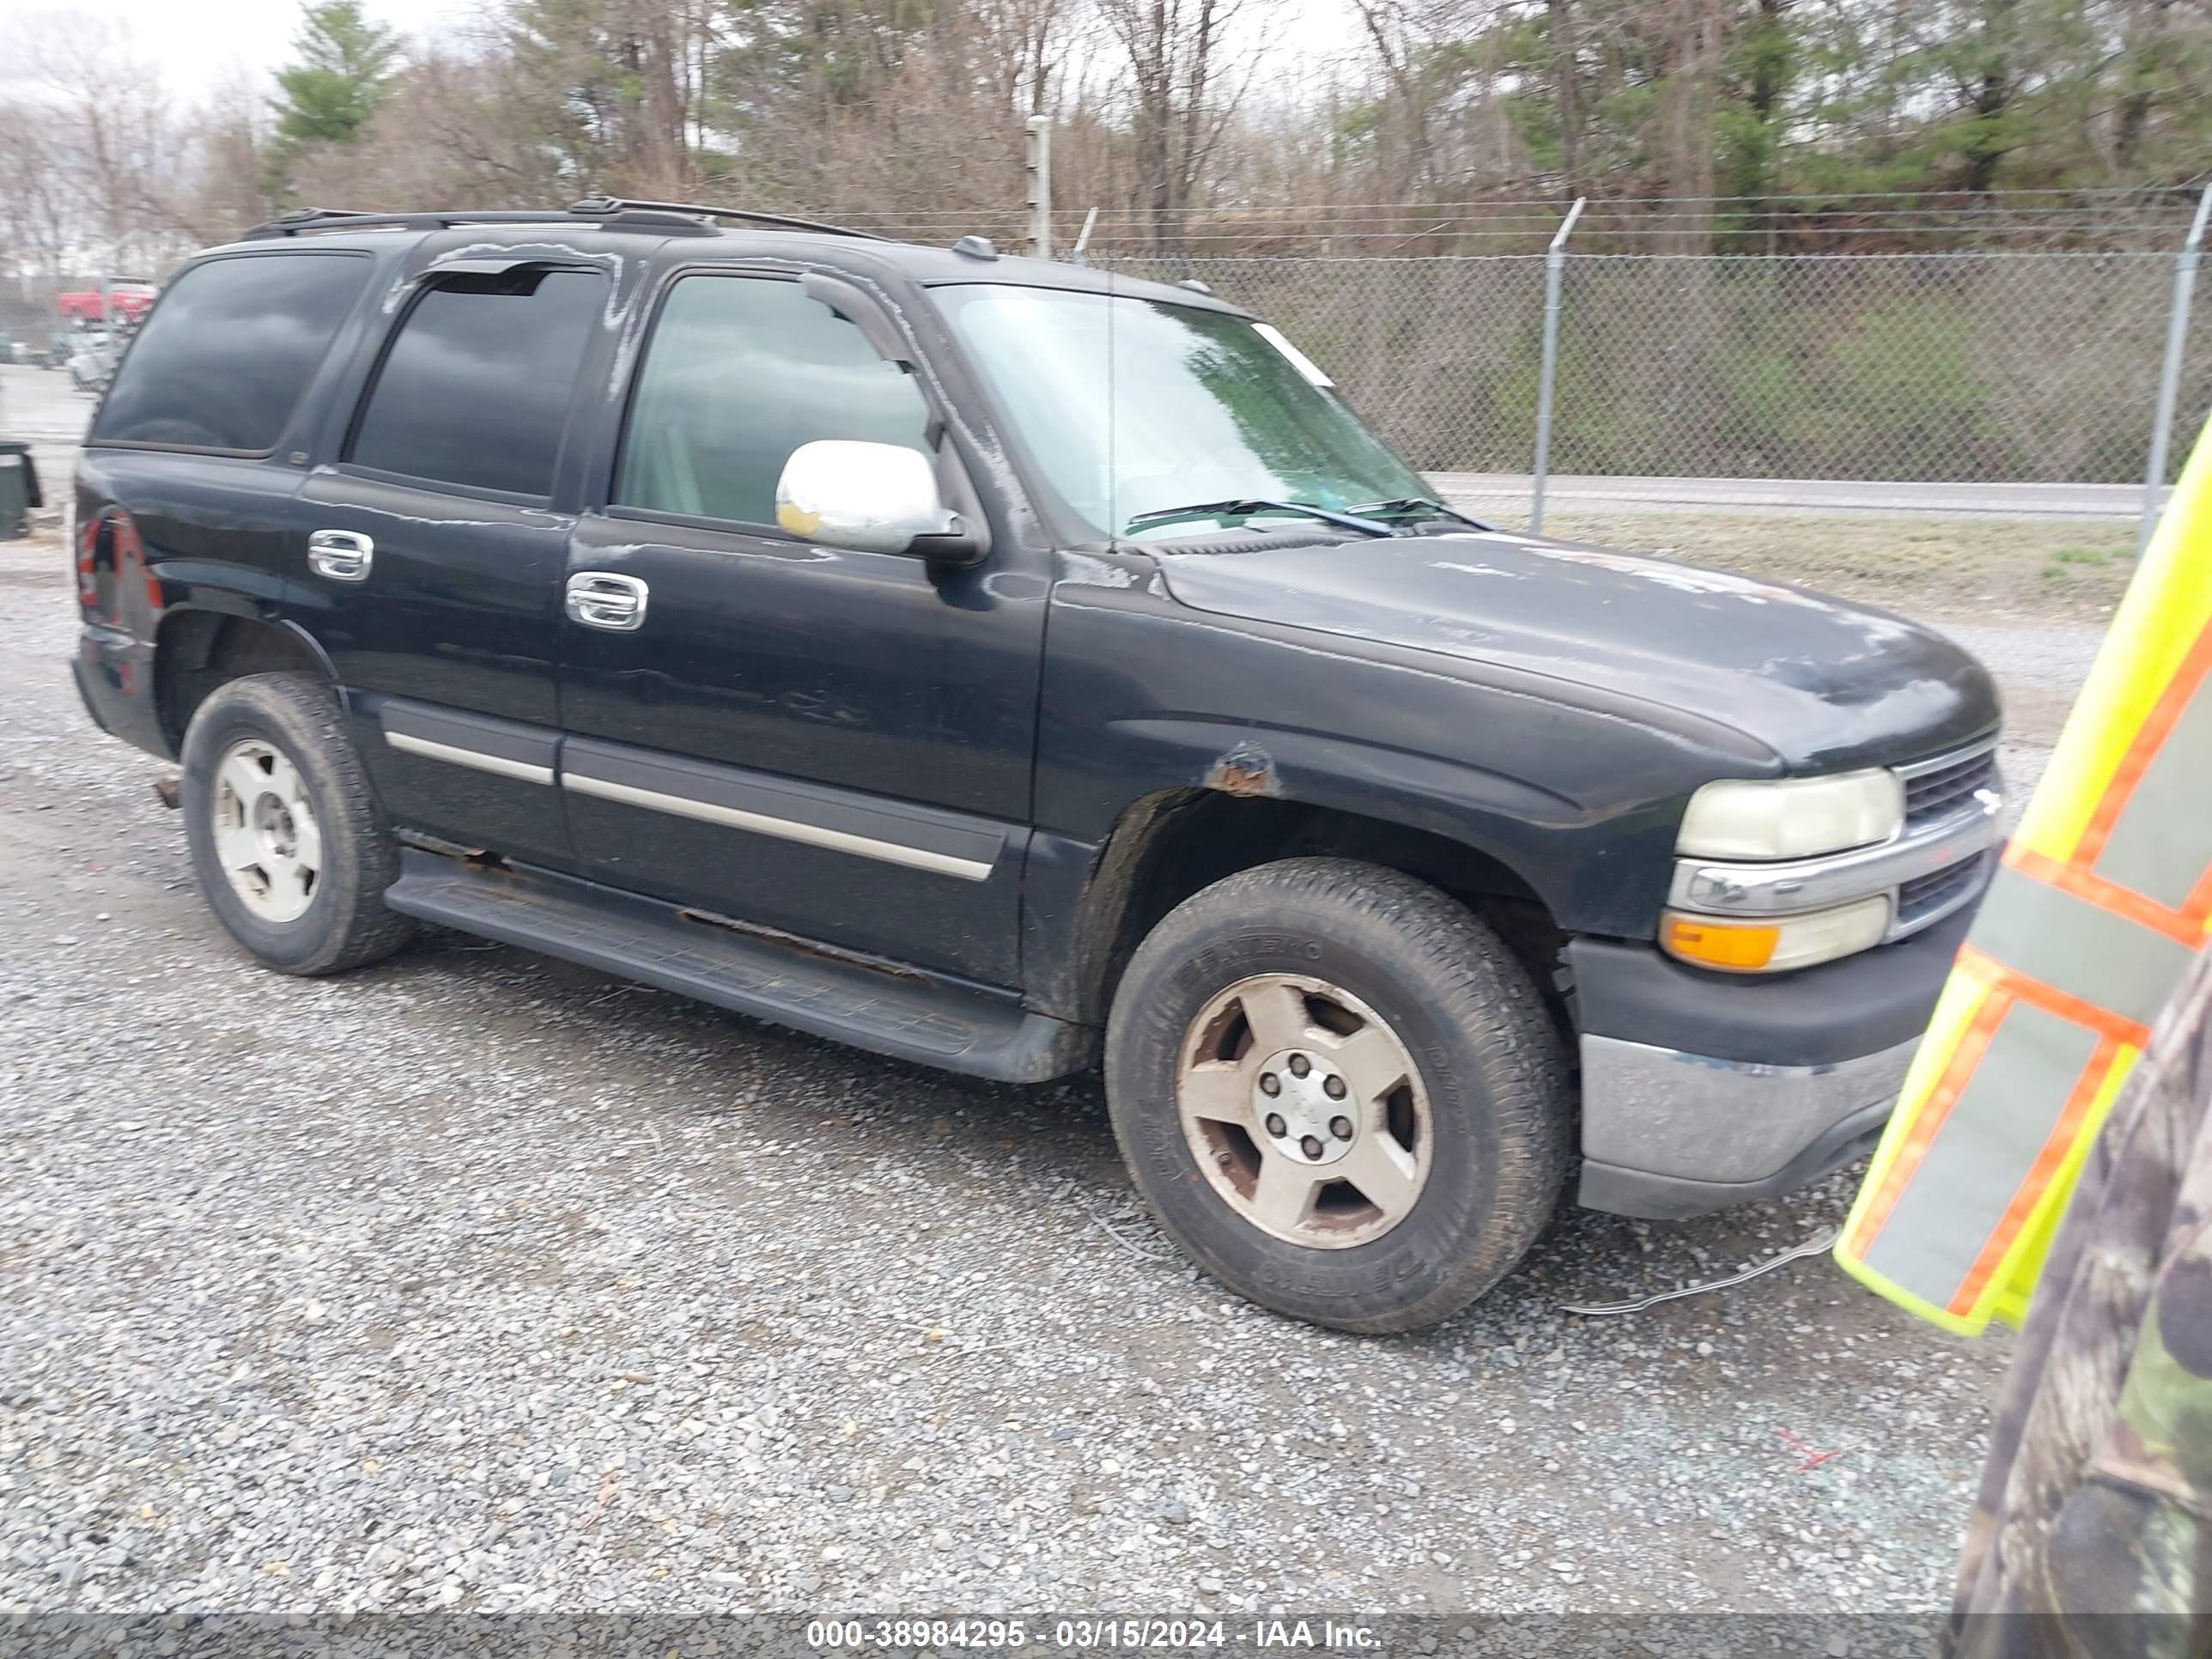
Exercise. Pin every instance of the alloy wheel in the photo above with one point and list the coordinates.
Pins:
(1305, 1111)
(266, 838)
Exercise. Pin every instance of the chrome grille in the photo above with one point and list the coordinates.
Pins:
(1944, 782)
(1925, 898)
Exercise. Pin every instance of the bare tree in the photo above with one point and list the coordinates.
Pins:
(108, 182)
(1185, 85)
(40, 212)
(905, 114)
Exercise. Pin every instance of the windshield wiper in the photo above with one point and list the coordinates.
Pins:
(1253, 509)
(1414, 507)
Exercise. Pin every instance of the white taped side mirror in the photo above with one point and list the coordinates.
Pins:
(873, 498)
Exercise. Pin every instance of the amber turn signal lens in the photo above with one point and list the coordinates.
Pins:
(1738, 947)
(1779, 944)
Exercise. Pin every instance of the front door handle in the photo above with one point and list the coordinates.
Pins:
(343, 556)
(598, 599)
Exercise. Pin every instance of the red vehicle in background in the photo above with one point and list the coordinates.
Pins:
(90, 340)
(86, 306)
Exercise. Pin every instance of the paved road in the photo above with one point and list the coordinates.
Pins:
(1834, 496)
(39, 404)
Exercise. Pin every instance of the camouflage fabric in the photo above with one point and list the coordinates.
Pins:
(2094, 1517)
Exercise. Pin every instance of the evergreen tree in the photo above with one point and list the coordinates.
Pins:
(345, 69)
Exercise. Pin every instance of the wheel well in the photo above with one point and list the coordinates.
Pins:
(1169, 846)
(196, 651)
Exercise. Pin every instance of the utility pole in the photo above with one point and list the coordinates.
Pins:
(1037, 165)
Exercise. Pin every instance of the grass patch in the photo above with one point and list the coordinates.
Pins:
(1960, 567)
(2070, 563)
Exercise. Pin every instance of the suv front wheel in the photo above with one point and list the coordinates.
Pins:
(1339, 1093)
(286, 841)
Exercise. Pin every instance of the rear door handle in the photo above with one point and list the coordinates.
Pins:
(599, 598)
(343, 556)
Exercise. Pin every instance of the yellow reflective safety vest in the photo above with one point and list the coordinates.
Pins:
(2103, 898)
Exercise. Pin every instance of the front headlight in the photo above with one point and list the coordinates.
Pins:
(1779, 943)
(1792, 817)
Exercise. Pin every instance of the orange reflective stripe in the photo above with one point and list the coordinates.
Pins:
(2198, 909)
(2157, 724)
(1972, 1042)
(2031, 1189)
(2077, 948)
(2102, 901)
(2052, 1001)
(2176, 925)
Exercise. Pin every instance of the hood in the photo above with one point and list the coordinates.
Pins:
(1824, 683)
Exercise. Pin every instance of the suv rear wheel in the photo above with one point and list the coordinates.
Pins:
(1339, 1093)
(286, 841)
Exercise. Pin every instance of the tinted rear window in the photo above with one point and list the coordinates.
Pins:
(223, 359)
(475, 389)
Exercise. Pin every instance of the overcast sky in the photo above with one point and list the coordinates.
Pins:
(196, 44)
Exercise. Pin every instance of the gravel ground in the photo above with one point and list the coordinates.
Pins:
(476, 1280)
(2041, 669)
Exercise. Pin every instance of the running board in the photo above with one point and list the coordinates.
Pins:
(901, 1013)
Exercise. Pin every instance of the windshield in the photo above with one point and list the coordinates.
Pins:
(1131, 407)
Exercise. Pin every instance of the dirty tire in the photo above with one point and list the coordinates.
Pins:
(1489, 1058)
(345, 924)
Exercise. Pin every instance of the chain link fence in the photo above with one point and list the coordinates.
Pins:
(1935, 368)
(1441, 355)
(30, 318)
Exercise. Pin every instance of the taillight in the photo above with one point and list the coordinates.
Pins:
(95, 552)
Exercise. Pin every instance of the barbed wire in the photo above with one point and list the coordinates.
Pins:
(1505, 223)
(2117, 219)
(2187, 189)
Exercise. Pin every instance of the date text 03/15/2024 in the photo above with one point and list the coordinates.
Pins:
(1080, 1635)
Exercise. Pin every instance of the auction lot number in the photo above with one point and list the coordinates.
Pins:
(1082, 1633)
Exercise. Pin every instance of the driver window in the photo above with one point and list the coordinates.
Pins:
(739, 371)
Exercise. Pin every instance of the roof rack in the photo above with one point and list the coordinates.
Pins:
(595, 206)
(299, 219)
(609, 212)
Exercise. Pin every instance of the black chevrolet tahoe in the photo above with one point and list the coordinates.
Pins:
(1013, 667)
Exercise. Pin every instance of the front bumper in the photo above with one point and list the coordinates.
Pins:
(1702, 1091)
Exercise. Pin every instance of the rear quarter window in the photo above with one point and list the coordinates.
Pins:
(221, 363)
(476, 387)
